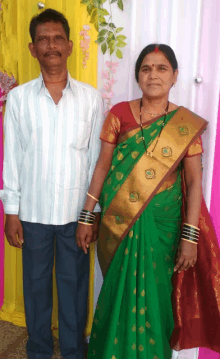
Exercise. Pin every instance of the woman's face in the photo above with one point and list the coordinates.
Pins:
(156, 75)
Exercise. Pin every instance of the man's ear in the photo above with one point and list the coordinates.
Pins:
(32, 49)
(70, 47)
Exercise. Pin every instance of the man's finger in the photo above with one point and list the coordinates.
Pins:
(14, 242)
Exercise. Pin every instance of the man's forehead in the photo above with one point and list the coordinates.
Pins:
(49, 27)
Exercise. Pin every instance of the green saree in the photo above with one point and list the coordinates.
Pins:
(134, 317)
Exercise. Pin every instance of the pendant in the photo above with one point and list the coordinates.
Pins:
(150, 154)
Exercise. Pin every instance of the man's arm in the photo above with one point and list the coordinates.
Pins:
(11, 171)
(95, 142)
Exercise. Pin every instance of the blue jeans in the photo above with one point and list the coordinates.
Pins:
(72, 276)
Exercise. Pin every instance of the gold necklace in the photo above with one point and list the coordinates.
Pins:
(153, 114)
(150, 153)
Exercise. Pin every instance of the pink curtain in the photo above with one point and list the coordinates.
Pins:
(214, 212)
(1, 206)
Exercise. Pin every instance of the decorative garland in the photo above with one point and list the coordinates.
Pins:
(108, 36)
(108, 84)
(84, 43)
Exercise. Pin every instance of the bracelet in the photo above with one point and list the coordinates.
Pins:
(92, 197)
(191, 226)
(87, 217)
(190, 234)
(188, 240)
(88, 224)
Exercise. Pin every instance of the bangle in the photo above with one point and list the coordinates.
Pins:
(188, 240)
(87, 224)
(92, 197)
(191, 226)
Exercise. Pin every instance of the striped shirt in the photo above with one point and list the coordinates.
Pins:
(50, 151)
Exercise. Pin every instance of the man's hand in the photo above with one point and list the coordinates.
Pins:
(14, 230)
(186, 256)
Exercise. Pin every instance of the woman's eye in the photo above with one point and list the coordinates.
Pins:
(162, 68)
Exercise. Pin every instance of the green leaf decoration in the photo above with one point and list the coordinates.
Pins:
(112, 25)
(121, 44)
(103, 22)
(111, 47)
(100, 40)
(103, 32)
(120, 5)
(121, 37)
(93, 16)
(119, 29)
(104, 48)
(119, 54)
(90, 8)
(103, 12)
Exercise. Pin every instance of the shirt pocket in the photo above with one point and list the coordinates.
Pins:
(82, 135)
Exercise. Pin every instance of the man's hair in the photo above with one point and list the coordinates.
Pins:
(49, 15)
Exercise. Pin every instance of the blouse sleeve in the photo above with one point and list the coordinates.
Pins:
(111, 128)
(195, 149)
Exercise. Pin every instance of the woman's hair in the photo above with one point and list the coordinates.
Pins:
(165, 49)
(49, 15)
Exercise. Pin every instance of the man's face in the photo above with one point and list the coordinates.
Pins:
(51, 46)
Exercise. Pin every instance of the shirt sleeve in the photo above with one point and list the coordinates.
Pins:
(196, 148)
(11, 193)
(111, 129)
(95, 143)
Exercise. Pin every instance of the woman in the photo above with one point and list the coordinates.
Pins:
(146, 145)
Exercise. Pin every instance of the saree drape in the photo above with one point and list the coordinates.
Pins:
(134, 313)
(134, 316)
(16, 60)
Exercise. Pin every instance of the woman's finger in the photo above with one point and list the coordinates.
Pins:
(178, 263)
(183, 265)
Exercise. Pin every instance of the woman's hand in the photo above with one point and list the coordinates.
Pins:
(186, 256)
(84, 234)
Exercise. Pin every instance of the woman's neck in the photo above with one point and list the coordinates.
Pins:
(154, 105)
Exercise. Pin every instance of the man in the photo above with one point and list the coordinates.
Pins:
(52, 127)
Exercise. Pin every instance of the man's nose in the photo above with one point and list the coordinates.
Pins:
(51, 43)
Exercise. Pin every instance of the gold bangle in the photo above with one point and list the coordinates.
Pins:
(87, 224)
(188, 240)
(92, 197)
(190, 225)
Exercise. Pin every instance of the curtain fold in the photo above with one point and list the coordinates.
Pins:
(16, 60)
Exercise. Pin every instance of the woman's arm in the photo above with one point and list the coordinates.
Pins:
(187, 252)
(84, 232)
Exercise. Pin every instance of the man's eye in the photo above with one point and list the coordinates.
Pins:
(42, 39)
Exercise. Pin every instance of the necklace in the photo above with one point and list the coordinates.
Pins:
(142, 133)
(152, 114)
(58, 82)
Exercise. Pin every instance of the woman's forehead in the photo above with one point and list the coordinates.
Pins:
(155, 58)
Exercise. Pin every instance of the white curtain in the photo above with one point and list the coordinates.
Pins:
(192, 29)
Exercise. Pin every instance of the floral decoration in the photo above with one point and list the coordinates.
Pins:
(108, 83)
(84, 43)
(6, 84)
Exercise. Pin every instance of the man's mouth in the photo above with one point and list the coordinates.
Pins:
(56, 53)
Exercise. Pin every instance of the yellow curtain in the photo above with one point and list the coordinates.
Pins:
(16, 60)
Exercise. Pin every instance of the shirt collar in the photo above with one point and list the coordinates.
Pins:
(41, 85)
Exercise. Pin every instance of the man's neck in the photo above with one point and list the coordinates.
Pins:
(55, 77)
